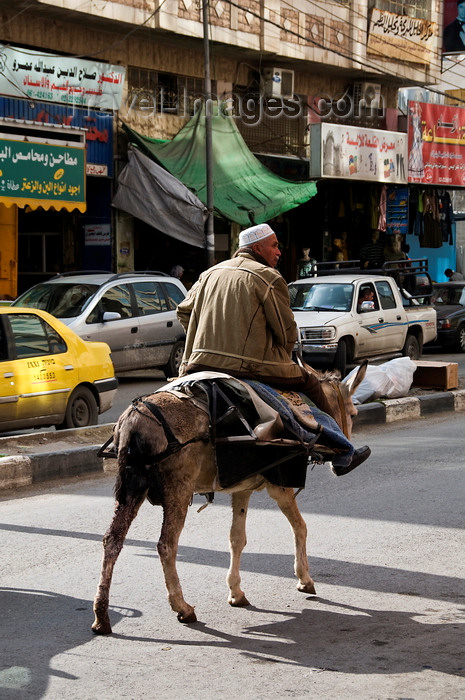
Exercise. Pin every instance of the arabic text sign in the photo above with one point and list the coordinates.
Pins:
(358, 154)
(39, 171)
(401, 37)
(97, 234)
(60, 79)
(436, 138)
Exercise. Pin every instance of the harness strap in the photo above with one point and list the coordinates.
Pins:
(173, 443)
(153, 408)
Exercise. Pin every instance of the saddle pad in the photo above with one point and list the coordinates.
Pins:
(270, 415)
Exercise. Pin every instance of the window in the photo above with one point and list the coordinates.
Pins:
(175, 295)
(3, 344)
(386, 295)
(321, 297)
(420, 9)
(272, 125)
(33, 336)
(40, 252)
(116, 299)
(149, 298)
(154, 92)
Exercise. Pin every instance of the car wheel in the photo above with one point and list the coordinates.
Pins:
(340, 358)
(460, 339)
(81, 411)
(171, 368)
(411, 348)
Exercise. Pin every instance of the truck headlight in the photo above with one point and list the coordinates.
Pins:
(318, 333)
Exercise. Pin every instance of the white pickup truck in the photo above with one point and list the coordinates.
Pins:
(338, 330)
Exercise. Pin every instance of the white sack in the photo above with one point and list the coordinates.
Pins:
(390, 380)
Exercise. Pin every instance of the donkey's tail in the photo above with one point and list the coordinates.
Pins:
(138, 442)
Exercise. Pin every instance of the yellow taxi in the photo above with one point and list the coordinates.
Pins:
(49, 375)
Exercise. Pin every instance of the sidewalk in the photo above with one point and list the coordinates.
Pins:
(39, 457)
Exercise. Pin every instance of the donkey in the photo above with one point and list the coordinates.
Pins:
(174, 477)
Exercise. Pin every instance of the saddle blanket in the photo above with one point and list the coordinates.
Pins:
(284, 428)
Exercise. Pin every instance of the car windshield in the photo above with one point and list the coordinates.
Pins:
(321, 297)
(448, 296)
(60, 300)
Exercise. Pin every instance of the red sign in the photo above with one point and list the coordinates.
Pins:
(436, 144)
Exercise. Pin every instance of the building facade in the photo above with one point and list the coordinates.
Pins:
(297, 76)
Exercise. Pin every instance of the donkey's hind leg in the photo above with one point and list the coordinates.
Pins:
(286, 500)
(113, 541)
(237, 542)
(175, 505)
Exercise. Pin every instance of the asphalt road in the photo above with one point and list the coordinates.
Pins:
(386, 550)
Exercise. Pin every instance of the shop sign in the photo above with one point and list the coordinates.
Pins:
(97, 125)
(397, 211)
(40, 174)
(355, 153)
(95, 169)
(401, 37)
(436, 144)
(41, 76)
(98, 234)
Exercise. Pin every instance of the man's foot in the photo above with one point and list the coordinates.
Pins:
(358, 457)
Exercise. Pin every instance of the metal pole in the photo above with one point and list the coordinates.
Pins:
(210, 232)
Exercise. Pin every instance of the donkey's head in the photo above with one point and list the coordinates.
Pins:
(339, 396)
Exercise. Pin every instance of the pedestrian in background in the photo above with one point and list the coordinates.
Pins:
(372, 254)
(452, 275)
(177, 271)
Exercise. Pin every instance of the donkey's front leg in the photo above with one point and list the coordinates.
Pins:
(286, 500)
(113, 541)
(237, 542)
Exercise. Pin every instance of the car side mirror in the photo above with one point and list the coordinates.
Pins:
(110, 316)
(367, 306)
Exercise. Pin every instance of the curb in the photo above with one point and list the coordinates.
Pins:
(17, 471)
(25, 470)
(410, 407)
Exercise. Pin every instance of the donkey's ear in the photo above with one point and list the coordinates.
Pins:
(357, 378)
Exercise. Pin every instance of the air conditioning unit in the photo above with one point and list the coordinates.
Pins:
(279, 82)
(367, 95)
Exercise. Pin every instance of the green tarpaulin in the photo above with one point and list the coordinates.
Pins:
(245, 191)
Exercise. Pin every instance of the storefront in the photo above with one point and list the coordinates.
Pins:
(365, 183)
(56, 142)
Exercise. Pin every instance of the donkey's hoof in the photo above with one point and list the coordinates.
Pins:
(307, 588)
(241, 602)
(101, 627)
(188, 616)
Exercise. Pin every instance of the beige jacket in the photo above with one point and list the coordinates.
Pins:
(238, 320)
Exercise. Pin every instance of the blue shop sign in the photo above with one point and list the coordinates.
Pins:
(98, 125)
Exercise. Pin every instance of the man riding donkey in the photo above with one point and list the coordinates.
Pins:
(238, 320)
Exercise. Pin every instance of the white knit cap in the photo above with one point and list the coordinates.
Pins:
(254, 234)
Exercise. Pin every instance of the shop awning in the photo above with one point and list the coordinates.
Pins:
(150, 193)
(245, 191)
